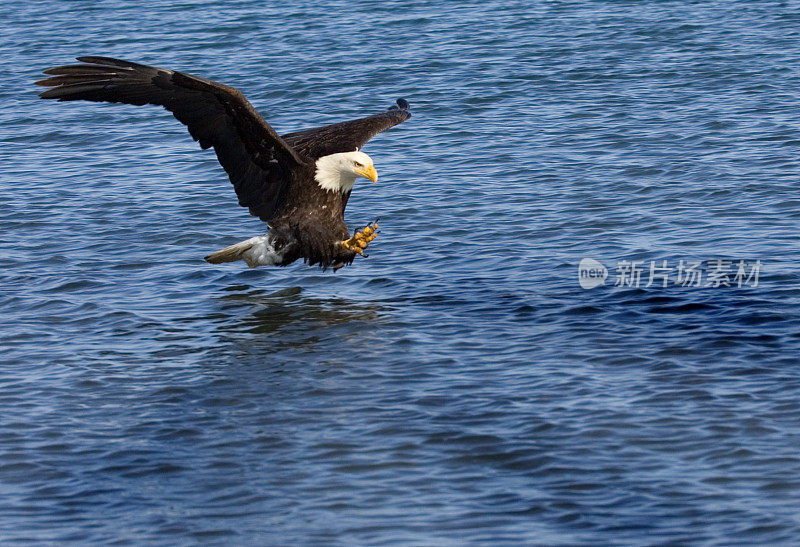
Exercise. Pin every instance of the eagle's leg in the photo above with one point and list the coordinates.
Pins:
(361, 238)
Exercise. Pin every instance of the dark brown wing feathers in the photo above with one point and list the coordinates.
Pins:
(258, 161)
(346, 136)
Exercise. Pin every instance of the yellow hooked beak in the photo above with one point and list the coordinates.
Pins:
(369, 172)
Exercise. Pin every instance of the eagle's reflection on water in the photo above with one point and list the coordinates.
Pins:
(287, 319)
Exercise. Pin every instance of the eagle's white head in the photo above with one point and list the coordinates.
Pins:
(338, 172)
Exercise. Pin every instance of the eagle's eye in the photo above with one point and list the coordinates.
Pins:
(359, 164)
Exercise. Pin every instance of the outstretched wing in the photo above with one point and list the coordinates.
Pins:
(346, 136)
(256, 159)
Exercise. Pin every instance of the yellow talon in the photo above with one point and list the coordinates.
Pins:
(351, 246)
(358, 243)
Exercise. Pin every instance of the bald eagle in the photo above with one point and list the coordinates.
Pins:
(297, 183)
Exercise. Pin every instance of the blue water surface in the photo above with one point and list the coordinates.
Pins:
(457, 386)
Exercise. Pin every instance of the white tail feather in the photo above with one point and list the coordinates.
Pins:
(256, 251)
(230, 254)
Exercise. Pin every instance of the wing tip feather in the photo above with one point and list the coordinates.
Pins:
(108, 61)
(403, 106)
